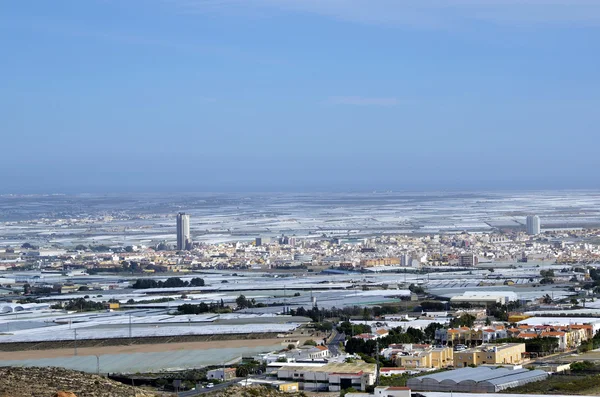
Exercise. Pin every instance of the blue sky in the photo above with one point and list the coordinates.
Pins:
(300, 95)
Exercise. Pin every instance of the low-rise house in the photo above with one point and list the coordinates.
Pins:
(389, 371)
(569, 337)
(223, 374)
(365, 337)
(378, 334)
(382, 333)
(287, 342)
(470, 336)
(308, 353)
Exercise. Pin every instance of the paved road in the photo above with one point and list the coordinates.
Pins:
(334, 344)
(191, 393)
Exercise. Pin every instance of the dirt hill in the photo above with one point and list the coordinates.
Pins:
(48, 382)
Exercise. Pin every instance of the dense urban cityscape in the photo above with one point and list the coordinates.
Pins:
(329, 310)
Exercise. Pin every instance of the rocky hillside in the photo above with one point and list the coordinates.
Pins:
(50, 382)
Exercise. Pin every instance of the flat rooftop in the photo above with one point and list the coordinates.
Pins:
(487, 348)
(341, 368)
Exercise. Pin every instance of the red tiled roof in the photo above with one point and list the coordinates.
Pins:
(549, 333)
(579, 326)
(527, 335)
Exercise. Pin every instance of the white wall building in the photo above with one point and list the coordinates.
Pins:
(533, 225)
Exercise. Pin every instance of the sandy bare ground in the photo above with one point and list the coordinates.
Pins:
(150, 348)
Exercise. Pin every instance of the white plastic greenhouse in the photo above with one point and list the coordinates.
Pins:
(476, 380)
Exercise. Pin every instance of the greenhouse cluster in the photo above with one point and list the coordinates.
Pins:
(476, 380)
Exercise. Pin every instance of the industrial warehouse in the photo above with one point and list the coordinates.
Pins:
(476, 380)
(332, 377)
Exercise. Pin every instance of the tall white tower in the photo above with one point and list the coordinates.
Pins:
(184, 240)
(533, 225)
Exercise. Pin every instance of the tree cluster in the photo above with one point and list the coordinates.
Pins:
(396, 335)
(29, 246)
(466, 320)
(203, 308)
(171, 282)
(80, 305)
(244, 303)
(500, 311)
(100, 248)
(366, 313)
(433, 306)
(349, 329)
(535, 345)
(324, 326)
(416, 289)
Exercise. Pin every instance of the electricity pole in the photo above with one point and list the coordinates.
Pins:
(75, 342)
(377, 358)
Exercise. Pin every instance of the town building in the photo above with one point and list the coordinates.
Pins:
(484, 298)
(223, 374)
(308, 353)
(470, 336)
(433, 357)
(406, 260)
(467, 260)
(184, 240)
(286, 387)
(568, 337)
(389, 371)
(260, 241)
(332, 377)
(379, 262)
(506, 353)
(533, 225)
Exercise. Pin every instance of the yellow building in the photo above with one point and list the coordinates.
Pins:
(507, 353)
(379, 262)
(291, 387)
(516, 317)
(428, 358)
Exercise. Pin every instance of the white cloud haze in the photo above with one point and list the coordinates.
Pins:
(416, 13)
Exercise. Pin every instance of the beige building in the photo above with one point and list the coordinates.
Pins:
(507, 353)
(433, 357)
(331, 377)
(379, 262)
